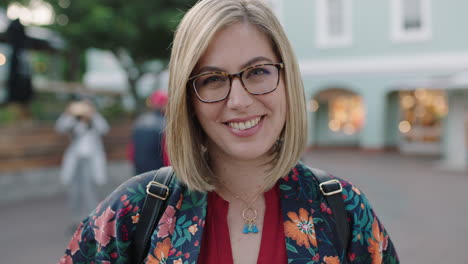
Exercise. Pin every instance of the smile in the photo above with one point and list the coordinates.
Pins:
(244, 125)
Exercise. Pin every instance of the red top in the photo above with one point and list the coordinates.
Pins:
(216, 244)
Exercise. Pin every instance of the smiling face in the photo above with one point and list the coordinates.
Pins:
(243, 127)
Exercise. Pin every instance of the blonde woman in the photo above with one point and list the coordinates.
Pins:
(236, 128)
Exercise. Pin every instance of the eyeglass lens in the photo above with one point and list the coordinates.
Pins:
(257, 80)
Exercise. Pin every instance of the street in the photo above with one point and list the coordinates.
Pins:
(422, 207)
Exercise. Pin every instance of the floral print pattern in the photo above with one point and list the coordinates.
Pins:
(167, 222)
(161, 252)
(106, 235)
(301, 228)
(377, 243)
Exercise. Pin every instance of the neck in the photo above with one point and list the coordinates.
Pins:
(242, 178)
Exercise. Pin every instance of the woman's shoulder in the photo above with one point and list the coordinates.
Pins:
(135, 187)
(309, 174)
(304, 178)
(111, 225)
(134, 190)
(370, 241)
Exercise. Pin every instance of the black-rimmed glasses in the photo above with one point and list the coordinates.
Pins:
(211, 87)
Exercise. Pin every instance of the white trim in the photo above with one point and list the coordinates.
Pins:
(323, 39)
(385, 64)
(398, 32)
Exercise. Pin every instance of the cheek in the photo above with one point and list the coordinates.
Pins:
(205, 113)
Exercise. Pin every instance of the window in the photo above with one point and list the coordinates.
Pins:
(346, 114)
(411, 20)
(333, 23)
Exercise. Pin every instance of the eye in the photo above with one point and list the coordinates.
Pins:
(209, 79)
(258, 71)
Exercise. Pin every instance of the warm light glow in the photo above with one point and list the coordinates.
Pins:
(349, 129)
(404, 126)
(334, 125)
(441, 105)
(420, 94)
(346, 114)
(2, 59)
(420, 111)
(407, 101)
(423, 117)
(313, 106)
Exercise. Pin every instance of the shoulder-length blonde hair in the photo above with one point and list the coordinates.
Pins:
(184, 135)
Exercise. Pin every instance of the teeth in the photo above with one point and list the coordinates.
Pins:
(244, 125)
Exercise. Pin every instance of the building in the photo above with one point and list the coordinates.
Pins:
(384, 74)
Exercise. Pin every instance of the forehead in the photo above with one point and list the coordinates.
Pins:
(236, 44)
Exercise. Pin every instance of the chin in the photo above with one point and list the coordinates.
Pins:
(250, 152)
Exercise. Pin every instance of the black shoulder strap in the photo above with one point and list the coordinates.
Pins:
(331, 189)
(157, 192)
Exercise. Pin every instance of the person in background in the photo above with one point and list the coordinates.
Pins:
(147, 148)
(236, 129)
(84, 161)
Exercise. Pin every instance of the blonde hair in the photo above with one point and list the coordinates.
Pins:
(184, 136)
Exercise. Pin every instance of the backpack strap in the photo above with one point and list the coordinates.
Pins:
(157, 192)
(332, 190)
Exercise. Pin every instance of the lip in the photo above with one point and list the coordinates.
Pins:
(247, 132)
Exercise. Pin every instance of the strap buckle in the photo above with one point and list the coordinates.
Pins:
(151, 183)
(321, 185)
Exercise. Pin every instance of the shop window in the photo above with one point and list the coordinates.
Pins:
(422, 112)
(411, 20)
(346, 114)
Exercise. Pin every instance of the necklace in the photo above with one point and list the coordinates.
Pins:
(249, 214)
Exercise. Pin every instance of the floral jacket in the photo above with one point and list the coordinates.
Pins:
(106, 235)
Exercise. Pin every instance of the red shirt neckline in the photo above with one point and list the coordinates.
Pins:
(216, 243)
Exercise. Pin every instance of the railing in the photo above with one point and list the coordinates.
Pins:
(37, 146)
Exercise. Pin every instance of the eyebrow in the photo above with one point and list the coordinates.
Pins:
(245, 65)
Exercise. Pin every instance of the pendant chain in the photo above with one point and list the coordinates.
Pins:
(249, 214)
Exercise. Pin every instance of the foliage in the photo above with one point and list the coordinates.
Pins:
(136, 31)
(47, 106)
(7, 116)
(143, 28)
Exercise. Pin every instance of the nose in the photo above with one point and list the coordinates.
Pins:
(239, 98)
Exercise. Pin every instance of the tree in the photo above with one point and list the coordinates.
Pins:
(134, 31)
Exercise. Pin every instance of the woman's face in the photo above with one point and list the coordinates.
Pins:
(242, 127)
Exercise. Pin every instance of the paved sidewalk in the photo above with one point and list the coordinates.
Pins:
(35, 218)
(423, 208)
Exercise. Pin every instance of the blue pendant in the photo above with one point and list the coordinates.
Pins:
(255, 229)
(250, 225)
(250, 228)
(246, 229)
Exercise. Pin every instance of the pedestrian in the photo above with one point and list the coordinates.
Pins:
(147, 145)
(236, 128)
(84, 160)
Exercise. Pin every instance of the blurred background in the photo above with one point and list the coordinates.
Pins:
(386, 84)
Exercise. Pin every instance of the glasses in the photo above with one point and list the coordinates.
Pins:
(211, 87)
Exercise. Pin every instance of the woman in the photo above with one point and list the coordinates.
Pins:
(236, 130)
